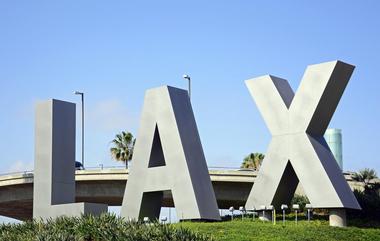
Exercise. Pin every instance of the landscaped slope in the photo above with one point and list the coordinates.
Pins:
(258, 230)
(111, 228)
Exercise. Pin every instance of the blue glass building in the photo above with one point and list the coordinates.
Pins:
(333, 138)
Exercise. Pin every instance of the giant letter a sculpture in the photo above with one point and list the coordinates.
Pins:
(168, 156)
(298, 152)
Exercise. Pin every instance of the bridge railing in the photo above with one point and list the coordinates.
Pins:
(26, 173)
(103, 167)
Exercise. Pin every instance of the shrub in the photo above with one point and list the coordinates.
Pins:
(301, 200)
(369, 201)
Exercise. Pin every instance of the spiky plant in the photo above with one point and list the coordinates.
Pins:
(106, 227)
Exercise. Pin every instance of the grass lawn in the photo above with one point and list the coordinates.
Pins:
(258, 230)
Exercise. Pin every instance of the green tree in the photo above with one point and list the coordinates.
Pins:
(300, 200)
(122, 149)
(366, 176)
(253, 160)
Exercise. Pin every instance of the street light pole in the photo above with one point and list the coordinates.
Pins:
(82, 100)
(185, 76)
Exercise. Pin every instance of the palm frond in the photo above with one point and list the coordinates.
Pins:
(123, 145)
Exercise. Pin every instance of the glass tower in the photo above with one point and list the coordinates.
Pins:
(333, 138)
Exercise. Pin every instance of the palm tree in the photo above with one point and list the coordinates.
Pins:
(123, 147)
(365, 176)
(253, 160)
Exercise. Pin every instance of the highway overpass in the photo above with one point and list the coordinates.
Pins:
(231, 188)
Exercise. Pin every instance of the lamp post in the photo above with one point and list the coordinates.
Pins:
(185, 76)
(283, 207)
(232, 209)
(296, 207)
(242, 210)
(263, 207)
(82, 99)
(273, 210)
(253, 213)
(164, 219)
(309, 208)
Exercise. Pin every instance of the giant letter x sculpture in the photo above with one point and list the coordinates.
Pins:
(298, 152)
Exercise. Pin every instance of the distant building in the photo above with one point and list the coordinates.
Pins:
(333, 138)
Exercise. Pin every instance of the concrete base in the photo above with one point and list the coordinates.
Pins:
(266, 216)
(337, 217)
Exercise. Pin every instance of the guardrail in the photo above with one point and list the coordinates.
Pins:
(102, 167)
(14, 173)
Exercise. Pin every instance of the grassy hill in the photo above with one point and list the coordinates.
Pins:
(258, 230)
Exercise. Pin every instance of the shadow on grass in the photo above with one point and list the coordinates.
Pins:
(364, 223)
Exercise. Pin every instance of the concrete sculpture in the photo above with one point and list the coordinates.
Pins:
(54, 164)
(168, 155)
(298, 152)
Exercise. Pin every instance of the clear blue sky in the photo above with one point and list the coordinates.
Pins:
(115, 50)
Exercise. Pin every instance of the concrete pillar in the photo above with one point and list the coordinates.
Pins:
(337, 217)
